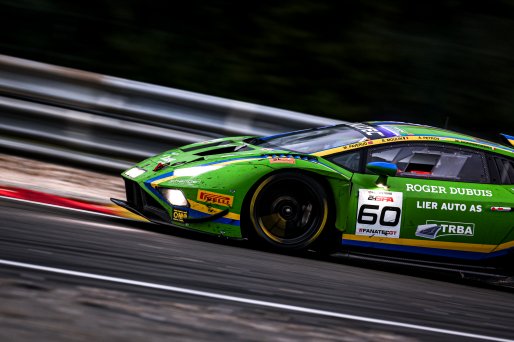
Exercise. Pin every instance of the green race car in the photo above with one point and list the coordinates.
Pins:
(377, 187)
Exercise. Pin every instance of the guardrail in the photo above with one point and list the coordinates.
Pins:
(107, 122)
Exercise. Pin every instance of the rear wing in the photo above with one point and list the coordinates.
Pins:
(509, 138)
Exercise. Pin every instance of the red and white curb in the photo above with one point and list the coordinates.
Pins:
(38, 197)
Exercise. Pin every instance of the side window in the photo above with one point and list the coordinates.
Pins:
(506, 170)
(350, 160)
(434, 162)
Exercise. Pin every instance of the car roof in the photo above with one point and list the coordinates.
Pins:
(409, 129)
(382, 132)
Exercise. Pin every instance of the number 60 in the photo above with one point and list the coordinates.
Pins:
(368, 215)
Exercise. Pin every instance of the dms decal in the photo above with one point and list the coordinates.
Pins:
(379, 213)
(215, 198)
(435, 229)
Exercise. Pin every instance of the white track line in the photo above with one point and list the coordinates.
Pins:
(252, 301)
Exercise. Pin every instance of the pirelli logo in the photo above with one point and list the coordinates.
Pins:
(215, 198)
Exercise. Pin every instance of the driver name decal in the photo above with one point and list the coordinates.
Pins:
(379, 213)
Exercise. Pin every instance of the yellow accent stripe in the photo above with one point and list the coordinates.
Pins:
(505, 245)
(459, 246)
(399, 139)
(159, 181)
(209, 210)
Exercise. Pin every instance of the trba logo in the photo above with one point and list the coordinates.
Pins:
(435, 229)
(215, 198)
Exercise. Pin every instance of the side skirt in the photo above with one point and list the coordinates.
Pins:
(464, 271)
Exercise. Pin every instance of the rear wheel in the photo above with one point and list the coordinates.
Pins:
(289, 210)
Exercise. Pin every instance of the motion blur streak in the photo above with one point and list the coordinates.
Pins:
(248, 301)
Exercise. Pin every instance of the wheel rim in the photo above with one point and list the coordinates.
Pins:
(289, 212)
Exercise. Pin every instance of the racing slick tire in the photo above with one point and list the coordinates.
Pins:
(289, 210)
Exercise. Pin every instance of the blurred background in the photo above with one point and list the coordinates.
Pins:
(442, 63)
(87, 88)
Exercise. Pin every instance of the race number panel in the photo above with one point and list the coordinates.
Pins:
(379, 213)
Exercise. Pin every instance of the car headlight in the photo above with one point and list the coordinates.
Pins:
(174, 197)
(135, 172)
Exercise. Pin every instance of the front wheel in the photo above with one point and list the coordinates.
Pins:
(289, 210)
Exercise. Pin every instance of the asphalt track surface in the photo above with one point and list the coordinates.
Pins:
(138, 282)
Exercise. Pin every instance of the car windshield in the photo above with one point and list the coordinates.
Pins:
(312, 140)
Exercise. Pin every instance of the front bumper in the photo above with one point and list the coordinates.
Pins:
(142, 204)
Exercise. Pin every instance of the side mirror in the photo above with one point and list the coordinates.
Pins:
(383, 170)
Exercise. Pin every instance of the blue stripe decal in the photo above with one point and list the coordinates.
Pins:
(193, 213)
(387, 133)
(155, 192)
(164, 175)
(426, 250)
(223, 220)
(148, 185)
(510, 137)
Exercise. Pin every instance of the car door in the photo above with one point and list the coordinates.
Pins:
(441, 202)
(502, 172)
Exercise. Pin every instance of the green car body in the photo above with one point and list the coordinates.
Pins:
(375, 186)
